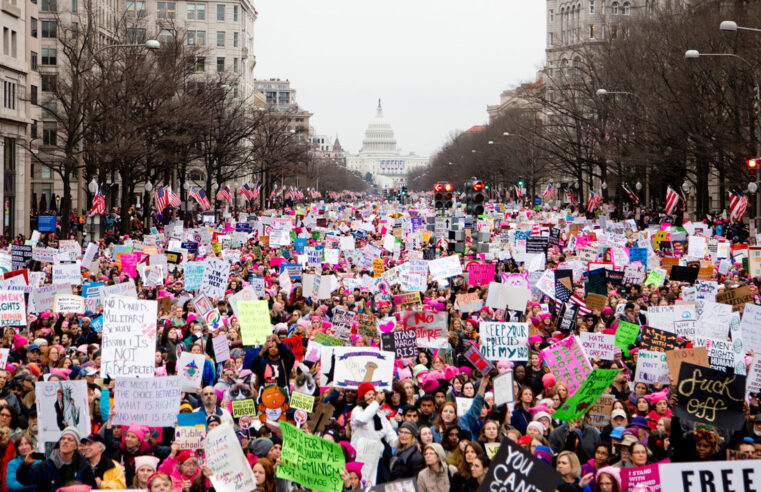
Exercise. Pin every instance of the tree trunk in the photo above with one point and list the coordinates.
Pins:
(65, 207)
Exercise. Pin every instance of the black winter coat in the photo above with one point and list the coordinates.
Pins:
(407, 465)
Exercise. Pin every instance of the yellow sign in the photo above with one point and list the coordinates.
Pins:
(378, 267)
(255, 322)
(302, 401)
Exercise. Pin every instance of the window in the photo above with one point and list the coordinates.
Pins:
(200, 64)
(220, 12)
(9, 94)
(48, 110)
(136, 8)
(48, 82)
(613, 32)
(235, 65)
(614, 8)
(235, 40)
(627, 8)
(10, 154)
(34, 95)
(271, 97)
(34, 129)
(48, 29)
(591, 31)
(550, 39)
(14, 44)
(49, 137)
(74, 5)
(74, 30)
(196, 11)
(135, 36)
(166, 10)
(591, 6)
(197, 38)
(49, 56)
(552, 15)
(235, 13)
(166, 35)
(6, 41)
(34, 60)
(33, 27)
(282, 98)
(220, 64)
(220, 38)
(45, 174)
(48, 6)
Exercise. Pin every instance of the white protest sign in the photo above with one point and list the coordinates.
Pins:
(69, 304)
(504, 340)
(247, 293)
(61, 404)
(3, 357)
(599, 345)
(504, 389)
(221, 348)
(45, 255)
(12, 308)
(90, 252)
(124, 289)
(355, 365)
(463, 405)
(750, 327)
(215, 275)
(713, 476)
(67, 273)
(445, 267)
(224, 456)
(652, 367)
(190, 437)
(190, 371)
(154, 402)
(43, 299)
(129, 337)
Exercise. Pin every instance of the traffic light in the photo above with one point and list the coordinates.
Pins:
(475, 197)
(443, 195)
(752, 166)
(520, 182)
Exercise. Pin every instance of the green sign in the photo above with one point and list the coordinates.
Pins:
(626, 334)
(324, 339)
(255, 322)
(244, 407)
(310, 461)
(588, 393)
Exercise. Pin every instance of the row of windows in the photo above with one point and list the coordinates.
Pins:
(616, 8)
(200, 64)
(574, 35)
(168, 10)
(10, 42)
(198, 38)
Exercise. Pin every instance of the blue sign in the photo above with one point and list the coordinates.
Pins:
(537, 201)
(293, 269)
(46, 223)
(300, 244)
(191, 246)
(97, 324)
(87, 286)
(242, 227)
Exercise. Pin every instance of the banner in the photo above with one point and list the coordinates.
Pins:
(61, 404)
(588, 393)
(713, 476)
(513, 468)
(154, 402)
(348, 367)
(12, 308)
(129, 337)
(710, 396)
(310, 461)
(255, 322)
(223, 454)
(507, 341)
(567, 362)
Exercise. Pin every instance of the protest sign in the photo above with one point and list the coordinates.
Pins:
(694, 355)
(69, 304)
(243, 407)
(191, 430)
(652, 367)
(507, 341)
(599, 345)
(567, 362)
(599, 414)
(20, 256)
(12, 308)
(151, 401)
(513, 468)
(596, 302)
(324, 339)
(342, 322)
(734, 455)
(378, 267)
(224, 456)
(61, 404)
(190, 371)
(468, 303)
(221, 348)
(657, 340)
(255, 322)
(3, 357)
(310, 461)
(473, 356)
(750, 326)
(301, 401)
(647, 475)
(403, 343)
(626, 334)
(737, 297)
(446, 267)
(193, 275)
(504, 391)
(586, 395)
(129, 337)
(430, 328)
(126, 289)
(710, 396)
(713, 476)
(67, 273)
(367, 326)
(214, 280)
(480, 273)
(355, 365)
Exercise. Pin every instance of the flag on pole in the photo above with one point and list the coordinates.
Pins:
(98, 202)
(672, 199)
(738, 203)
(595, 200)
(255, 192)
(246, 191)
(174, 200)
(224, 194)
(631, 193)
(200, 196)
(161, 197)
(548, 192)
(569, 193)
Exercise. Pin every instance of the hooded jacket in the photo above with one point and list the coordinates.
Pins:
(431, 481)
(53, 473)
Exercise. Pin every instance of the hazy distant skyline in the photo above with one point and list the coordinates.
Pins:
(435, 64)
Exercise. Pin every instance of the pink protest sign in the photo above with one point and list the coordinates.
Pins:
(480, 273)
(641, 475)
(567, 362)
(276, 261)
(129, 265)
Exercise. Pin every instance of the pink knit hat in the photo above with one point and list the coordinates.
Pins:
(19, 341)
(139, 430)
(612, 471)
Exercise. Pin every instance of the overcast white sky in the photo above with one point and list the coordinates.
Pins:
(436, 64)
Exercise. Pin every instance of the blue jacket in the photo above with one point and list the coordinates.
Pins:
(471, 421)
(520, 418)
(10, 477)
(48, 477)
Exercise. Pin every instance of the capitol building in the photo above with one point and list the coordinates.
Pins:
(380, 156)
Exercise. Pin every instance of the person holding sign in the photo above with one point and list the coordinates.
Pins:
(185, 466)
(367, 422)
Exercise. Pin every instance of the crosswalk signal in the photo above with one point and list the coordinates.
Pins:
(752, 166)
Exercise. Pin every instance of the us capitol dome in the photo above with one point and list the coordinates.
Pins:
(380, 156)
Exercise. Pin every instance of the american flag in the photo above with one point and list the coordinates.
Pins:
(672, 199)
(224, 194)
(99, 202)
(571, 195)
(200, 196)
(174, 200)
(255, 192)
(161, 196)
(595, 200)
(631, 193)
(583, 309)
(737, 205)
(519, 191)
(548, 192)
(274, 192)
(246, 191)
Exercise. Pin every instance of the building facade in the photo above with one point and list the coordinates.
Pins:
(281, 97)
(380, 156)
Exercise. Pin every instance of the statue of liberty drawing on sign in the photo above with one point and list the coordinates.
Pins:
(67, 412)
